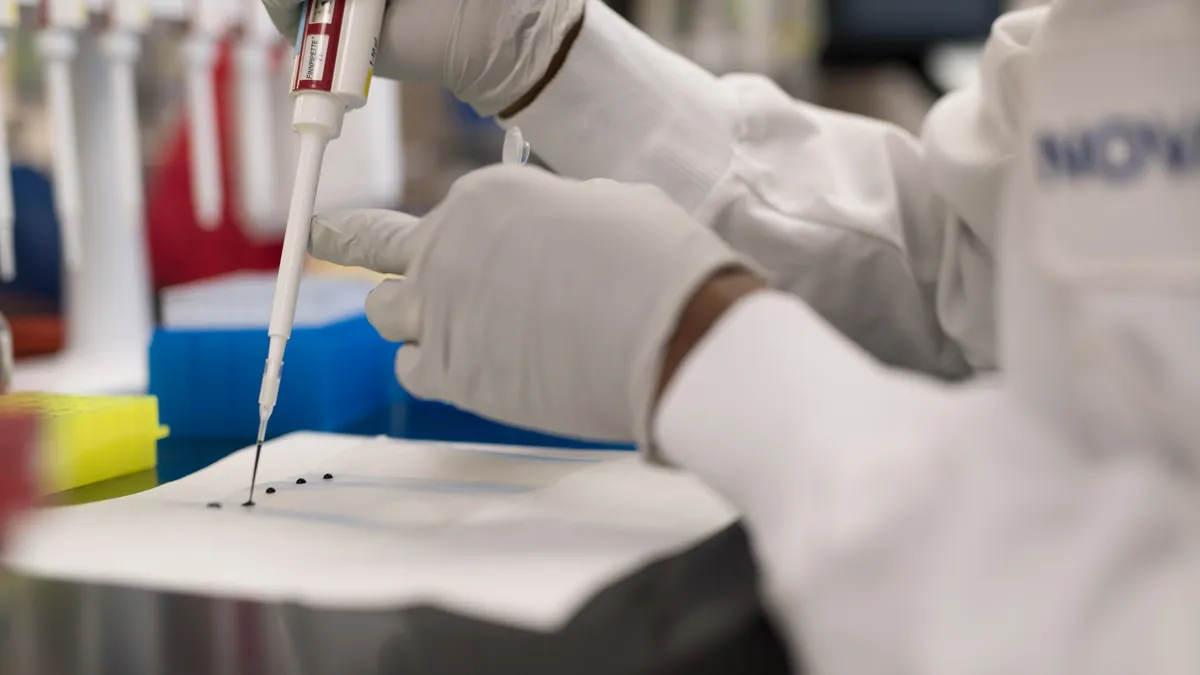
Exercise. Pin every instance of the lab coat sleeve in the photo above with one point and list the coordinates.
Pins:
(904, 526)
(837, 208)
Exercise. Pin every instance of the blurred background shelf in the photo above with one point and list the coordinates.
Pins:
(91, 332)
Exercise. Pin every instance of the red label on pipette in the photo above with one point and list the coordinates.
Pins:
(317, 48)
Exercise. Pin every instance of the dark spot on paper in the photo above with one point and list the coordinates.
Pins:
(248, 504)
(270, 491)
(328, 476)
(300, 481)
(214, 505)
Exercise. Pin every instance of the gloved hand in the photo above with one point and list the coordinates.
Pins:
(490, 53)
(531, 299)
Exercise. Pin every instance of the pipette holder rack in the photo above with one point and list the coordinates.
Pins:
(170, 10)
(108, 301)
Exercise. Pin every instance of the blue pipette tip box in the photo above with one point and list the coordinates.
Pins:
(206, 367)
(206, 362)
(207, 381)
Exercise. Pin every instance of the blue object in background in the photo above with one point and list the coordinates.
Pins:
(467, 116)
(336, 378)
(39, 267)
(416, 419)
(207, 381)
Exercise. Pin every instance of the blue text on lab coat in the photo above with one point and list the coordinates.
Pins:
(1119, 150)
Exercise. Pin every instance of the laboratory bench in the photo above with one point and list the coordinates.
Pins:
(179, 457)
(697, 612)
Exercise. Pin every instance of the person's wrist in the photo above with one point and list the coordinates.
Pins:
(706, 307)
(556, 64)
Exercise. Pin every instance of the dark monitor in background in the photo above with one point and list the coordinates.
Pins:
(879, 30)
(624, 7)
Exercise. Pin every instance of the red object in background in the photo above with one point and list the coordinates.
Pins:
(18, 436)
(180, 250)
(36, 336)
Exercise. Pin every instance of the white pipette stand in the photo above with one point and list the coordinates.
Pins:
(335, 60)
(108, 300)
(6, 355)
(258, 155)
(122, 45)
(58, 43)
(9, 19)
(207, 22)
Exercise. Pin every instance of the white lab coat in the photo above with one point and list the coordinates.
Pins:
(903, 525)
(842, 210)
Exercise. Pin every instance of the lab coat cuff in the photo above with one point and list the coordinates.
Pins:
(710, 419)
(760, 402)
(626, 108)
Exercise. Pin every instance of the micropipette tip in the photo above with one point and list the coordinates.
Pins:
(262, 433)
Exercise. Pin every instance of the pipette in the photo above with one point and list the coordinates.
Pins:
(207, 22)
(258, 197)
(6, 356)
(335, 60)
(122, 44)
(61, 22)
(9, 19)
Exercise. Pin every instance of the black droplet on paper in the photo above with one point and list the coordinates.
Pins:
(300, 481)
(328, 476)
(214, 505)
(270, 491)
(248, 504)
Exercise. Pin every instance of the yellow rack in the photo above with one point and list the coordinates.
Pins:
(90, 439)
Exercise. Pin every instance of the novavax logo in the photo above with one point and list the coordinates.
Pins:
(1120, 150)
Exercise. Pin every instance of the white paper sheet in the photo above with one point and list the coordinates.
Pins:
(517, 535)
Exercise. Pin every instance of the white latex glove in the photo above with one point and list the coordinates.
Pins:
(490, 53)
(532, 299)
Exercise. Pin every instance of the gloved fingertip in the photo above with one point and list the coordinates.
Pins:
(408, 373)
(394, 310)
(374, 239)
(339, 238)
(406, 360)
(324, 240)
